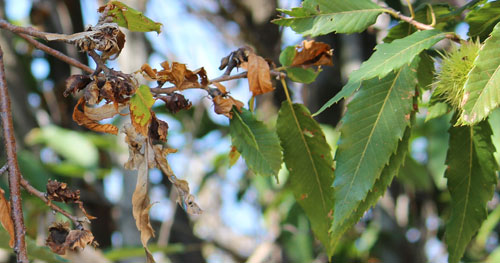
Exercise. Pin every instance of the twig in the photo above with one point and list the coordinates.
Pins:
(4, 168)
(14, 173)
(409, 20)
(222, 78)
(32, 190)
(418, 25)
(57, 54)
(101, 66)
(22, 30)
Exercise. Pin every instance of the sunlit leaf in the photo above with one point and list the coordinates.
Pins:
(481, 93)
(387, 58)
(375, 122)
(320, 17)
(378, 189)
(309, 160)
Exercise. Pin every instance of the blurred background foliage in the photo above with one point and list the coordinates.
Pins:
(246, 218)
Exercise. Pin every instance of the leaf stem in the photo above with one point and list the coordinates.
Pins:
(283, 82)
(411, 9)
(22, 30)
(419, 25)
(14, 173)
(32, 190)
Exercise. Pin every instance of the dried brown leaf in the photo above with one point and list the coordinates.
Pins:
(76, 83)
(59, 192)
(158, 129)
(5, 218)
(139, 159)
(176, 102)
(91, 93)
(235, 59)
(83, 120)
(62, 238)
(148, 72)
(57, 237)
(185, 199)
(259, 78)
(104, 112)
(312, 53)
(105, 37)
(224, 104)
(79, 239)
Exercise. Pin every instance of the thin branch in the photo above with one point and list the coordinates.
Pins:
(418, 25)
(14, 173)
(32, 190)
(4, 168)
(57, 54)
(222, 78)
(22, 30)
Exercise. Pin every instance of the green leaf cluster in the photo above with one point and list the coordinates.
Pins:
(376, 129)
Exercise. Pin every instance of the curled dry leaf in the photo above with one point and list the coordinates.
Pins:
(177, 74)
(5, 218)
(104, 112)
(158, 129)
(139, 159)
(224, 104)
(259, 78)
(312, 53)
(59, 192)
(112, 88)
(186, 200)
(83, 120)
(176, 102)
(105, 37)
(235, 59)
(61, 238)
(76, 83)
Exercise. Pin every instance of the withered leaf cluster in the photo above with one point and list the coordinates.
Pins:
(177, 74)
(62, 238)
(235, 59)
(311, 53)
(59, 192)
(259, 77)
(105, 37)
(113, 89)
(143, 155)
(175, 102)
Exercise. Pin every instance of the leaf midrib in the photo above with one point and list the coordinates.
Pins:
(309, 154)
(483, 90)
(372, 131)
